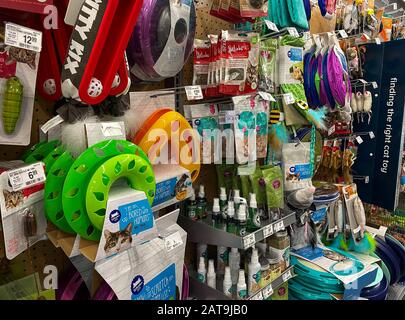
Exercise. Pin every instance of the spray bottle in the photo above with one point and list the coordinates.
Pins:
(254, 272)
(216, 214)
(201, 203)
(192, 208)
(202, 251)
(222, 203)
(230, 222)
(242, 223)
(234, 264)
(236, 199)
(241, 292)
(211, 276)
(222, 259)
(254, 217)
(202, 272)
(227, 284)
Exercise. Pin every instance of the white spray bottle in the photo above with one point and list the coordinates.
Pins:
(254, 272)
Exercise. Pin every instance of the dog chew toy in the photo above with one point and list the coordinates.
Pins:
(12, 101)
(96, 49)
(163, 39)
(178, 134)
(40, 151)
(55, 179)
(79, 177)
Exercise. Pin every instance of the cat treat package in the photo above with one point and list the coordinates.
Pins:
(202, 57)
(296, 166)
(18, 73)
(253, 8)
(149, 271)
(22, 206)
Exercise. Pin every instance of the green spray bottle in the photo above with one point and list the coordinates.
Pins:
(201, 203)
(223, 203)
(230, 222)
(253, 222)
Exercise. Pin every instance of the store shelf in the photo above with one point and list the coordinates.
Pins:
(267, 291)
(204, 232)
(200, 290)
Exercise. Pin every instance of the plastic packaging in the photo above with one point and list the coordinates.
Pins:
(273, 178)
(202, 271)
(254, 273)
(234, 264)
(211, 276)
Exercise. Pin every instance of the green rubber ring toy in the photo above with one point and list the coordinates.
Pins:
(136, 170)
(28, 152)
(52, 157)
(75, 186)
(53, 192)
(41, 152)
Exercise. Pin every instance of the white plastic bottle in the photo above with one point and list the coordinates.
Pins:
(254, 271)
(222, 259)
(227, 284)
(241, 292)
(234, 264)
(223, 203)
(211, 276)
(236, 199)
(202, 272)
(202, 251)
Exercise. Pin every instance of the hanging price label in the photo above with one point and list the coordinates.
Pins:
(278, 226)
(359, 140)
(271, 25)
(22, 37)
(374, 84)
(194, 93)
(268, 231)
(293, 32)
(288, 98)
(249, 241)
(371, 134)
(331, 130)
(266, 96)
(343, 34)
(267, 291)
(173, 241)
(258, 296)
(111, 129)
(287, 275)
(377, 40)
(26, 177)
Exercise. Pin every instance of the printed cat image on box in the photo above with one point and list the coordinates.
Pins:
(297, 73)
(293, 177)
(116, 242)
(180, 188)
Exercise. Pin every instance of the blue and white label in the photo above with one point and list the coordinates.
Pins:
(115, 216)
(295, 54)
(161, 287)
(165, 191)
(301, 171)
(139, 214)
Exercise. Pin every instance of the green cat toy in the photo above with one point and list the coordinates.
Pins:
(12, 101)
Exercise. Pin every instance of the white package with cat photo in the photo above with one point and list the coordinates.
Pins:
(18, 74)
(128, 222)
(296, 166)
(151, 271)
(15, 206)
(290, 65)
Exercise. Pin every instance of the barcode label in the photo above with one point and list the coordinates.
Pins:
(288, 98)
(343, 34)
(293, 32)
(278, 226)
(194, 93)
(22, 37)
(257, 296)
(287, 275)
(249, 241)
(271, 25)
(268, 231)
(28, 176)
(173, 241)
(267, 291)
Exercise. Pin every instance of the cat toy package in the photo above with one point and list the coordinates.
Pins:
(22, 206)
(296, 166)
(150, 271)
(19, 57)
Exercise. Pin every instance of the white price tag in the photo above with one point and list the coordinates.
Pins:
(288, 98)
(293, 32)
(371, 134)
(363, 81)
(365, 35)
(194, 93)
(249, 241)
(173, 241)
(229, 117)
(278, 226)
(271, 25)
(359, 140)
(331, 130)
(111, 129)
(377, 40)
(374, 84)
(257, 296)
(22, 37)
(266, 96)
(287, 275)
(268, 231)
(52, 123)
(395, 6)
(343, 34)
(267, 291)
(26, 177)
